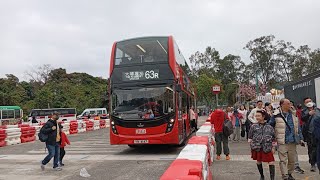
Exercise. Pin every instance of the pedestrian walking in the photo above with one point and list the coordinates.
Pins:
(309, 116)
(262, 143)
(248, 122)
(64, 142)
(229, 112)
(217, 119)
(317, 136)
(297, 113)
(34, 120)
(236, 119)
(242, 110)
(288, 135)
(269, 110)
(252, 114)
(193, 122)
(52, 130)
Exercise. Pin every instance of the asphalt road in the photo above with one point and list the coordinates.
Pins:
(92, 151)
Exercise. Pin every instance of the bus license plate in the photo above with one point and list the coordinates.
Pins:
(140, 141)
(141, 131)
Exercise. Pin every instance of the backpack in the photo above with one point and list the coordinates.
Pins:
(42, 136)
(227, 127)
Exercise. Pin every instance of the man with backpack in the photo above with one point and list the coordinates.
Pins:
(222, 133)
(50, 134)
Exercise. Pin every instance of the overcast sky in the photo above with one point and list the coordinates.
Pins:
(78, 35)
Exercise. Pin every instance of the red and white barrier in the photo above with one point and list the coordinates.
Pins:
(107, 122)
(89, 125)
(82, 126)
(13, 136)
(198, 152)
(3, 137)
(22, 133)
(73, 127)
(102, 123)
(196, 157)
(96, 124)
(204, 140)
(182, 169)
(27, 134)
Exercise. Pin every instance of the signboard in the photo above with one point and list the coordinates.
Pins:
(141, 75)
(216, 89)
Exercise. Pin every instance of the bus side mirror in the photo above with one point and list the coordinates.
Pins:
(178, 88)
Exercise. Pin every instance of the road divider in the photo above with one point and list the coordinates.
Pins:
(195, 159)
(24, 133)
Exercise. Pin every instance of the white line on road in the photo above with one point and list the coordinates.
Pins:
(71, 157)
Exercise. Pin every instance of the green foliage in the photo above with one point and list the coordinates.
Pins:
(274, 62)
(76, 90)
(204, 84)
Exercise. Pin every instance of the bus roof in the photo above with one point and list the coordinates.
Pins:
(143, 37)
(10, 108)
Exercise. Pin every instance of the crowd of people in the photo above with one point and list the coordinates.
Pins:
(268, 130)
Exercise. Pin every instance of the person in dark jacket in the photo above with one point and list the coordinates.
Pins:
(309, 115)
(248, 122)
(34, 120)
(262, 142)
(52, 129)
(317, 136)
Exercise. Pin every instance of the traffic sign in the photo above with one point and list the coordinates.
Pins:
(216, 89)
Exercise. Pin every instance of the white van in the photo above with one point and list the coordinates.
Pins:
(93, 112)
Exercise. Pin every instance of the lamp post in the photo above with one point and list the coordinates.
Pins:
(257, 82)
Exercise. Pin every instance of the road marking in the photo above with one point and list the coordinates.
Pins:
(74, 157)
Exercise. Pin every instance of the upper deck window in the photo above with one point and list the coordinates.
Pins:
(142, 50)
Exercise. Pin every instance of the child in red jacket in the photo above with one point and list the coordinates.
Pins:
(64, 142)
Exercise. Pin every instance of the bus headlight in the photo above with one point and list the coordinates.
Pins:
(113, 127)
(170, 125)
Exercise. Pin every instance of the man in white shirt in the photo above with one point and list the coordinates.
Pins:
(252, 114)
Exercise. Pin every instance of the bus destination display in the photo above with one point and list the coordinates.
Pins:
(140, 75)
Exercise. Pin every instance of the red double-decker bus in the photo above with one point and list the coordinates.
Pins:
(149, 93)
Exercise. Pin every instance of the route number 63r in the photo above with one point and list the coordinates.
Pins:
(151, 75)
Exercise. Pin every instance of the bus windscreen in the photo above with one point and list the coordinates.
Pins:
(140, 51)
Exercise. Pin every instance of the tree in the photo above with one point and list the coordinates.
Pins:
(301, 62)
(40, 75)
(204, 84)
(262, 53)
(204, 63)
(229, 68)
(11, 92)
(314, 63)
(285, 56)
